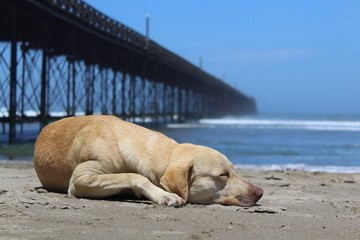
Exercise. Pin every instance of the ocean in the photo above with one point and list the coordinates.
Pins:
(269, 142)
(266, 142)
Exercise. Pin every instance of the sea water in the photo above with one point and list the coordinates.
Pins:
(312, 143)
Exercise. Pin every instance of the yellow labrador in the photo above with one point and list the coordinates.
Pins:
(100, 156)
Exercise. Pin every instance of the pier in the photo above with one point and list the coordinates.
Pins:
(61, 58)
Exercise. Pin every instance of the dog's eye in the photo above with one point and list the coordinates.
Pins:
(225, 174)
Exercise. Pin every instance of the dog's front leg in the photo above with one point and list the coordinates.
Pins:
(89, 181)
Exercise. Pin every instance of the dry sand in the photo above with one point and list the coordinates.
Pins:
(296, 205)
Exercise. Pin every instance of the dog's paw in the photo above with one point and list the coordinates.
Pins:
(171, 199)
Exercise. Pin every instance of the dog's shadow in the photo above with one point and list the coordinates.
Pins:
(128, 197)
(123, 197)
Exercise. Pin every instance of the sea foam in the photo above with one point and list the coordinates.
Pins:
(304, 167)
(323, 125)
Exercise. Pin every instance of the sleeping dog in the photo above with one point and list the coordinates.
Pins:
(101, 156)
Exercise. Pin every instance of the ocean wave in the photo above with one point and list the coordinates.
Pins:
(319, 125)
(304, 167)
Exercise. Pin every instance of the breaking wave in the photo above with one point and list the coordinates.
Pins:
(318, 125)
(304, 167)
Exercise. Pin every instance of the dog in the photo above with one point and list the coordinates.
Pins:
(100, 156)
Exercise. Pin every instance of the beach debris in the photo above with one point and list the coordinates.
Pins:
(284, 185)
(273, 178)
(261, 210)
(40, 190)
(268, 211)
(30, 201)
(229, 228)
(2, 191)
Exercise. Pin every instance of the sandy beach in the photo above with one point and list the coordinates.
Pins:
(296, 205)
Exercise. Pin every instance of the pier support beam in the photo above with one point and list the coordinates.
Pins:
(44, 81)
(13, 77)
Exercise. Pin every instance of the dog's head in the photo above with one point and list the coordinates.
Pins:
(202, 175)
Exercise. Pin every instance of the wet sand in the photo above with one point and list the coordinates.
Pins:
(296, 205)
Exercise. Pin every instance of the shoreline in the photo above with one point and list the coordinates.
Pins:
(296, 205)
(263, 168)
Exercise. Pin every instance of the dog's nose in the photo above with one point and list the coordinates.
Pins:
(256, 193)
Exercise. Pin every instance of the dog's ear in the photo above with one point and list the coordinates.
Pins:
(176, 178)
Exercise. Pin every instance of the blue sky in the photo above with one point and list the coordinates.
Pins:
(293, 56)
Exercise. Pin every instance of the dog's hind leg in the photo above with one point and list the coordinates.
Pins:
(90, 181)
